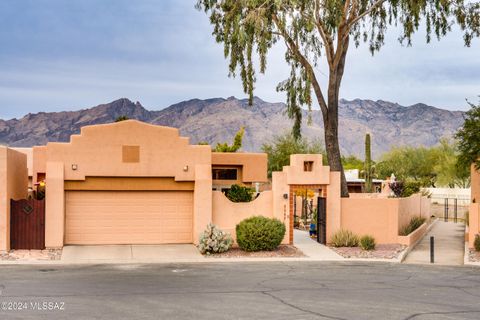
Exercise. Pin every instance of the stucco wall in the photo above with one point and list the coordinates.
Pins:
(99, 151)
(227, 214)
(13, 185)
(254, 165)
(473, 223)
(475, 185)
(381, 217)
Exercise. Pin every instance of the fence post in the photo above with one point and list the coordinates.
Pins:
(455, 210)
(445, 214)
(432, 249)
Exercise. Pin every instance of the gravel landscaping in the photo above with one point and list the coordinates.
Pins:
(32, 255)
(473, 256)
(382, 251)
(282, 251)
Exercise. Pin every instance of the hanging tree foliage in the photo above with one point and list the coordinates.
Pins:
(323, 29)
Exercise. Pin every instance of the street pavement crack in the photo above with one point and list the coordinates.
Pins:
(413, 316)
(299, 308)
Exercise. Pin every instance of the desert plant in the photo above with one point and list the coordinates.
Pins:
(238, 193)
(410, 188)
(367, 242)
(122, 118)
(235, 146)
(368, 169)
(260, 233)
(414, 224)
(214, 240)
(476, 243)
(344, 238)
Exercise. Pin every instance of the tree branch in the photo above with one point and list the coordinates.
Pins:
(294, 48)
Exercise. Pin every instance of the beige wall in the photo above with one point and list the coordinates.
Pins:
(254, 165)
(473, 223)
(13, 185)
(475, 184)
(296, 174)
(227, 214)
(39, 162)
(381, 218)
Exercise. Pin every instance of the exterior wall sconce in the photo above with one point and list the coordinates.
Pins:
(74, 167)
(185, 168)
(285, 196)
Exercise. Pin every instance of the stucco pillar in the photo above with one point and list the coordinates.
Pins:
(4, 203)
(334, 205)
(202, 200)
(281, 208)
(55, 205)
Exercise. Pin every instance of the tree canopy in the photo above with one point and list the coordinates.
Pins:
(469, 138)
(282, 146)
(430, 167)
(235, 146)
(316, 30)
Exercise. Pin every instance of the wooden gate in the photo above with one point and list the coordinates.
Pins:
(27, 224)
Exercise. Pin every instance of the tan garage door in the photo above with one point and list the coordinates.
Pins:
(128, 217)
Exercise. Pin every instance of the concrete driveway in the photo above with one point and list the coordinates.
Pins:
(131, 253)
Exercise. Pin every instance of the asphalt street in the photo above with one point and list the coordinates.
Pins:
(294, 290)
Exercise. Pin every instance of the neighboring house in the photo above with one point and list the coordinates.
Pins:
(357, 185)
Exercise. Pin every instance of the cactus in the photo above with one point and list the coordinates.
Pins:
(368, 165)
(214, 240)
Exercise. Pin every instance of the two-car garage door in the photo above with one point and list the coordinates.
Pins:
(128, 217)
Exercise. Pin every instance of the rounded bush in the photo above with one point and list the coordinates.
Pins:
(367, 242)
(259, 233)
(476, 243)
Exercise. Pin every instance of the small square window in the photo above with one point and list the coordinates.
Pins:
(131, 154)
(308, 166)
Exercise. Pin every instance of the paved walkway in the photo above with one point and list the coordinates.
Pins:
(312, 248)
(449, 245)
(126, 253)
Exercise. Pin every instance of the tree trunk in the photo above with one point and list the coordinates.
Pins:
(333, 147)
(331, 118)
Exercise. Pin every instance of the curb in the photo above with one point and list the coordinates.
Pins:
(410, 248)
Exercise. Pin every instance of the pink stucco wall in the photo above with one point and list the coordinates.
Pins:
(381, 218)
(227, 214)
(474, 223)
(13, 185)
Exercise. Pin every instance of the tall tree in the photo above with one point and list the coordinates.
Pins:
(469, 138)
(313, 30)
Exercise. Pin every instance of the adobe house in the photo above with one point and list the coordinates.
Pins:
(136, 183)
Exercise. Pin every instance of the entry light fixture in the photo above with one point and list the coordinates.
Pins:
(74, 167)
(185, 168)
(285, 196)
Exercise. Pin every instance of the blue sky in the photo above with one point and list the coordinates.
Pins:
(69, 54)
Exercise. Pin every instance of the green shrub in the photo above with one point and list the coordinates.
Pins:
(259, 233)
(414, 224)
(410, 188)
(238, 193)
(344, 238)
(476, 243)
(367, 242)
(214, 240)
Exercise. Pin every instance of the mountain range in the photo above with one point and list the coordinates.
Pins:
(218, 119)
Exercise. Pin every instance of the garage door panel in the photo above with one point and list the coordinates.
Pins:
(108, 217)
